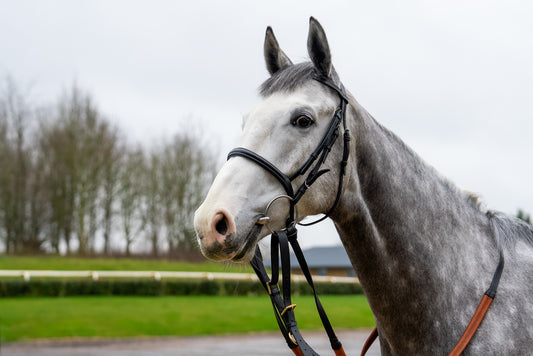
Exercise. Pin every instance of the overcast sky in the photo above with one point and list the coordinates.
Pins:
(454, 79)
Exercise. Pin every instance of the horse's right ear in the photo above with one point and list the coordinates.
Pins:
(274, 57)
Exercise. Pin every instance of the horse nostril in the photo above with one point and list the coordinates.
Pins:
(221, 226)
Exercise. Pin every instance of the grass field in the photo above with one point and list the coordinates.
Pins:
(115, 317)
(113, 264)
(112, 317)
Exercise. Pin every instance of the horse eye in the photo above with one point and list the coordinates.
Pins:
(302, 121)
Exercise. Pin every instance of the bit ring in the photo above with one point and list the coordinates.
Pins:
(265, 219)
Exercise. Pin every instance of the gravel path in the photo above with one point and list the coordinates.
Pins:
(261, 344)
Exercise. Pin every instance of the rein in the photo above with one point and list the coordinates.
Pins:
(280, 240)
(281, 299)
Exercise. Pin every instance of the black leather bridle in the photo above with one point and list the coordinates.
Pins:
(315, 160)
(280, 240)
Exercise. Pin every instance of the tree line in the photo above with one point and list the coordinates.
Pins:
(70, 181)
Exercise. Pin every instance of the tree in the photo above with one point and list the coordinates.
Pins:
(79, 146)
(152, 210)
(186, 171)
(131, 196)
(58, 147)
(38, 206)
(523, 216)
(113, 161)
(5, 178)
(21, 195)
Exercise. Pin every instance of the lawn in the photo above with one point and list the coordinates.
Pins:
(35, 318)
(113, 264)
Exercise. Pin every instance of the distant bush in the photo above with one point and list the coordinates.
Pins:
(147, 287)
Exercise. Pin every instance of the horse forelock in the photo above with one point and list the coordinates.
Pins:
(288, 79)
(291, 78)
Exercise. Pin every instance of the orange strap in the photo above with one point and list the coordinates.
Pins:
(369, 341)
(472, 326)
(297, 351)
(463, 342)
(339, 352)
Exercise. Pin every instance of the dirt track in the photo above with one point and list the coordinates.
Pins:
(262, 344)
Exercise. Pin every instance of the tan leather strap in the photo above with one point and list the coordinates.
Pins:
(472, 327)
(297, 351)
(476, 320)
(339, 352)
(463, 342)
(369, 341)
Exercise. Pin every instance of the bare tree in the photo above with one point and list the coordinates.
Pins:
(113, 160)
(5, 163)
(57, 146)
(131, 197)
(77, 143)
(152, 212)
(38, 205)
(187, 169)
(20, 194)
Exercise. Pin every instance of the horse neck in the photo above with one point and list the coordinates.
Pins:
(410, 235)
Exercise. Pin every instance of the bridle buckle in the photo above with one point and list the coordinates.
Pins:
(288, 307)
(269, 290)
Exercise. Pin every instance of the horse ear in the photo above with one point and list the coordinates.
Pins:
(275, 58)
(318, 48)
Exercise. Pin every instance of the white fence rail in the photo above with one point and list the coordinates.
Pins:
(158, 275)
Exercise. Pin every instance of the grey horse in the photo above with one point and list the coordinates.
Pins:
(424, 250)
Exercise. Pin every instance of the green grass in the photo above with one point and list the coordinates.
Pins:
(35, 318)
(112, 264)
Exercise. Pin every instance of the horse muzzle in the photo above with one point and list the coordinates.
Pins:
(219, 240)
(216, 234)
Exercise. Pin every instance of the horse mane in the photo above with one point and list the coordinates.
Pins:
(509, 230)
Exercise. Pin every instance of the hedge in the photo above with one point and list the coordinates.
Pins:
(147, 287)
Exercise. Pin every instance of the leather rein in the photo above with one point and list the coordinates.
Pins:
(280, 240)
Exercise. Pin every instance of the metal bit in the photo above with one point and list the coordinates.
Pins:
(263, 220)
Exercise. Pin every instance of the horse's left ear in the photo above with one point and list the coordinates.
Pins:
(318, 48)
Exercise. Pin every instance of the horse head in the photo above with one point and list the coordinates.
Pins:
(246, 202)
